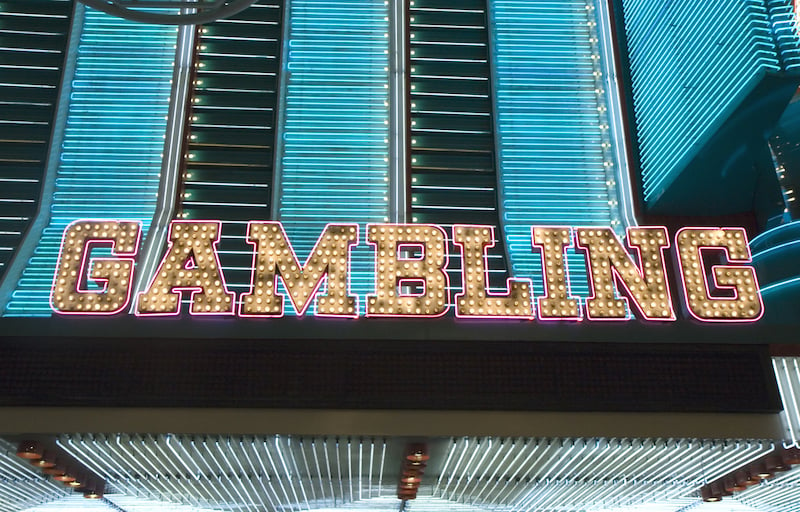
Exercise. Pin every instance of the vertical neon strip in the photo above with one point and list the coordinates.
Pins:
(398, 129)
(335, 157)
(618, 153)
(113, 141)
(555, 162)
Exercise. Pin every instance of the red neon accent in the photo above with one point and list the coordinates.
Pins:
(190, 263)
(412, 282)
(411, 247)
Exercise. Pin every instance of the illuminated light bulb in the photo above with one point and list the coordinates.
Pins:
(556, 304)
(746, 304)
(93, 494)
(708, 495)
(113, 273)
(276, 257)
(185, 268)
(64, 478)
(30, 450)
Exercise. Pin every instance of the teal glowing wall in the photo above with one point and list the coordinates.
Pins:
(113, 140)
(335, 150)
(555, 163)
(692, 64)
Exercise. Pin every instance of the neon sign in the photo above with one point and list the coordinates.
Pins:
(626, 279)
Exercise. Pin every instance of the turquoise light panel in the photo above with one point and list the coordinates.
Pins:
(334, 164)
(113, 141)
(554, 161)
(692, 63)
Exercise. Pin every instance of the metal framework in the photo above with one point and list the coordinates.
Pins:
(170, 12)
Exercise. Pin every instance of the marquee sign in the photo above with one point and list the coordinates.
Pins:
(625, 279)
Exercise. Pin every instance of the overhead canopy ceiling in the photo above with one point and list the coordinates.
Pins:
(287, 473)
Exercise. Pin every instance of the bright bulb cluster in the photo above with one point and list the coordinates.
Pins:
(739, 281)
(191, 264)
(393, 270)
(410, 262)
(275, 256)
(646, 282)
(70, 293)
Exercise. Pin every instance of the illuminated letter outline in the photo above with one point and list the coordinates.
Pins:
(313, 296)
(541, 248)
(192, 290)
(85, 260)
(424, 255)
(617, 280)
(723, 248)
(489, 295)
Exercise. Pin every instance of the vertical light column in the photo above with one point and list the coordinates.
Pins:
(151, 250)
(453, 163)
(398, 129)
(227, 167)
(787, 374)
(334, 161)
(111, 156)
(556, 161)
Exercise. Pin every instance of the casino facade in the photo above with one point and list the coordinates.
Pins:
(425, 255)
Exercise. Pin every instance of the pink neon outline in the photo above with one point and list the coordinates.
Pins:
(190, 263)
(443, 271)
(489, 294)
(406, 281)
(564, 248)
(408, 247)
(313, 296)
(84, 277)
(724, 249)
(617, 280)
(193, 290)
(85, 260)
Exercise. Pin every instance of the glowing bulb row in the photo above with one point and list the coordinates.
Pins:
(406, 255)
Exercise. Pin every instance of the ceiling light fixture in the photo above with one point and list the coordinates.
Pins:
(47, 461)
(760, 471)
(414, 463)
(708, 494)
(763, 468)
(30, 450)
(64, 478)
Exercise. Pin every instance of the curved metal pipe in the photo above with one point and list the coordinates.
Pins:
(223, 11)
